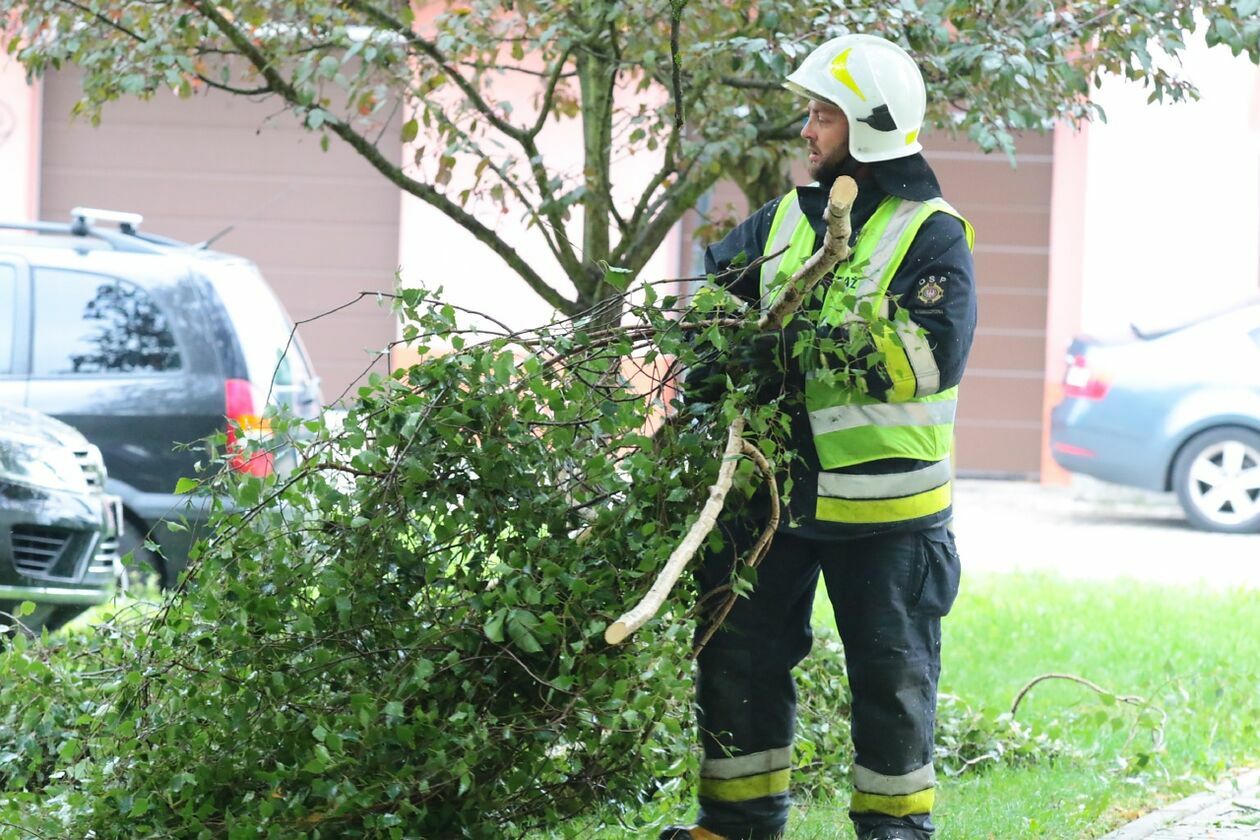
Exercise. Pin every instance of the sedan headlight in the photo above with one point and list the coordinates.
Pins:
(31, 461)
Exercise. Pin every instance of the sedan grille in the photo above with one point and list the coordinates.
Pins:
(105, 560)
(93, 472)
(37, 549)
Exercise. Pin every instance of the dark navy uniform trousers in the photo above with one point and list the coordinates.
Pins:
(889, 593)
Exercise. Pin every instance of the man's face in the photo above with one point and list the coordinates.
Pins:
(827, 132)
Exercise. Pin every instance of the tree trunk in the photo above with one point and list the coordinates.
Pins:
(596, 73)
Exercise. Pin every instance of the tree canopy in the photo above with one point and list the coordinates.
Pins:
(694, 83)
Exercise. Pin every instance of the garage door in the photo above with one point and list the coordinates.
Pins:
(1000, 405)
(321, 226)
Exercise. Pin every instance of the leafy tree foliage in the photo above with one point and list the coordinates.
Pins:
(693, 83)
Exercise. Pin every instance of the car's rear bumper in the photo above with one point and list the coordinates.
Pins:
(1103, 453)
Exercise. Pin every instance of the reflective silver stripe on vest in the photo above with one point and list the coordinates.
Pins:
(841, 417)
(752, 764)
(871, 284)
(927, 376)
(782, 240)
(868, 781)
(890, 486)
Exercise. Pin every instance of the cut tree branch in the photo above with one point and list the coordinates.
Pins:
(621, 629)
(758, 552)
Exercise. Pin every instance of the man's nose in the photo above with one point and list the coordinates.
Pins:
(806, 129)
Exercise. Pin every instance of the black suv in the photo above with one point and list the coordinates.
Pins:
(145, 344)
(58, 528)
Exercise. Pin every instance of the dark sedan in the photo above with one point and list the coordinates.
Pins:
(1174, 410)
(58, 529)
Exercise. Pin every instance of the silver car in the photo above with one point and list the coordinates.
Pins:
(1175, 410)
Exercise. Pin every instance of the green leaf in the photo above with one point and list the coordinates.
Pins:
(616, 277)
(410, 130)
(521, 625)
(186, 485)
(493, 627)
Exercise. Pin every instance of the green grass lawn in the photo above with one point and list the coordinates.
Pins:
(1193, 653)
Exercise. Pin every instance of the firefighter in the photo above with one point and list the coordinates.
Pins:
(871, 501)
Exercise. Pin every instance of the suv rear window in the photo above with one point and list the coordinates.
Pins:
(263, 329)
(94, 324)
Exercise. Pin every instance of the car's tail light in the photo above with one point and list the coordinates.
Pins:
(1082, 381)
(245, 421)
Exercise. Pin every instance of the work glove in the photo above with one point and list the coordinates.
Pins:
(765, 360)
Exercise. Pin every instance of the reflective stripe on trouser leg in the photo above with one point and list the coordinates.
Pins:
(894, 796)
(746, 700)
(744, 777)
(891, 636)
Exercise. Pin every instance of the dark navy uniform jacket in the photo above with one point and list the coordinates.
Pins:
(938, 257)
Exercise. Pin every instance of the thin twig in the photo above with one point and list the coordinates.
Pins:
(1132, 700)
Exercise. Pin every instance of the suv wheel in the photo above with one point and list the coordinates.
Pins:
(1217, 479)
(142, 569)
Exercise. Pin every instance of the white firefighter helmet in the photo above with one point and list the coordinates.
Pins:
(877, 85)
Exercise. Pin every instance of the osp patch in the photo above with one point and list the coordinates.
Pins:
(931, 291)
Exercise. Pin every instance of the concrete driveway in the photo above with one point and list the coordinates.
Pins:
(1096, 531)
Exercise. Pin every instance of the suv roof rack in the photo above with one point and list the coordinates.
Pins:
(128, 223)
(127, 238)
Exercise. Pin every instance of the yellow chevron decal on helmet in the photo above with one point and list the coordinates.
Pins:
(840, 69)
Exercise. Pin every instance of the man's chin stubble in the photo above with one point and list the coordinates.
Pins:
(828, 169)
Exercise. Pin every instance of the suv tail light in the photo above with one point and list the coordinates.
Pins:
(1082, 382)
(245, 421)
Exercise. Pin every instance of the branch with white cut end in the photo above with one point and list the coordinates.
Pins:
(835, 248)
(620, 629)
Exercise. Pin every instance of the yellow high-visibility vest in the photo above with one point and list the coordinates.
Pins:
(915, 419)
